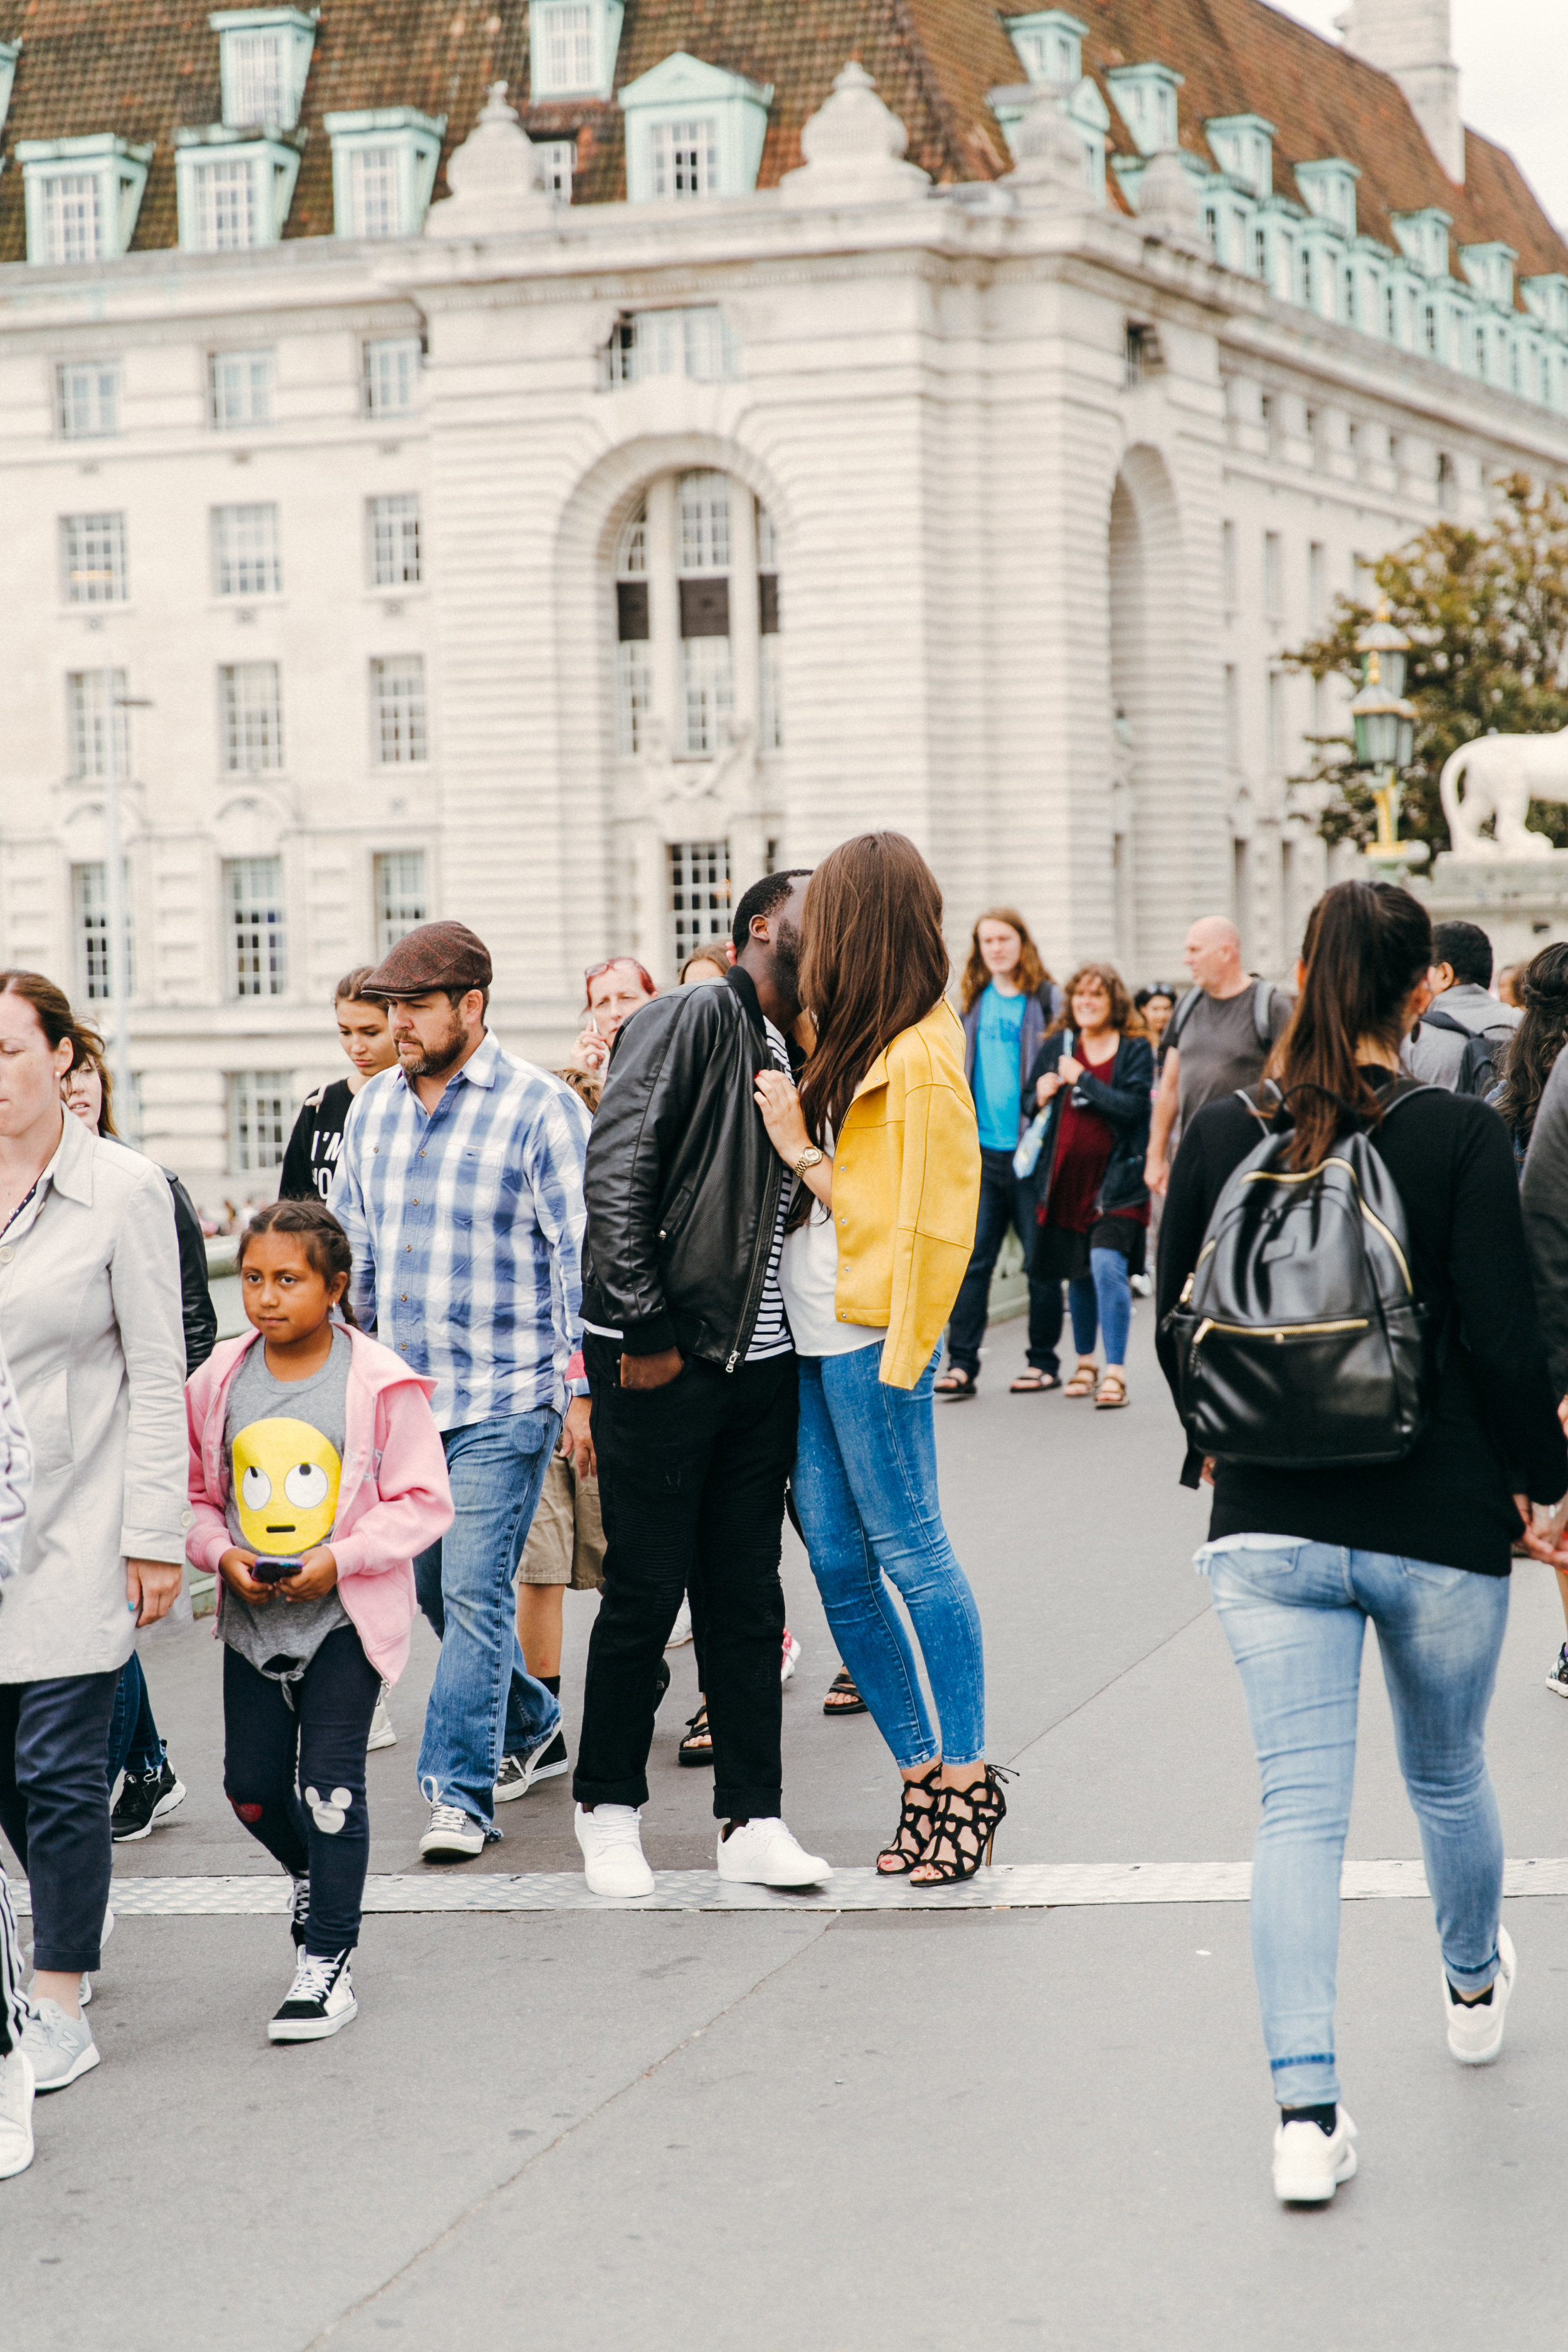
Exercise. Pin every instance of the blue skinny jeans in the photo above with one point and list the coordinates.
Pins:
(864, 1486)
(1294, 1615)
(1101, 1300)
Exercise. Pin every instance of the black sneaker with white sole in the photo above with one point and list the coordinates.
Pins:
(320, 2000)
(1557, 1679)
(146, 1798)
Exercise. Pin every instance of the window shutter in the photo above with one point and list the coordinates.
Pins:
(705, 607)
(631, 603)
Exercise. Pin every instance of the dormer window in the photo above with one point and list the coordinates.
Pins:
(1547, 300)
(9, 53)
(264, 56)
(1490, 268)
(1146, 98)
(572, 47)
(693, 130)
(233, 189)
(81, 195)
(1049, 45)
(1244, 148)
(383, 168)
(1424, 239)
(1328, 191)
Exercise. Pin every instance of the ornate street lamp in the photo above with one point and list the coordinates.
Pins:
(1385, 734)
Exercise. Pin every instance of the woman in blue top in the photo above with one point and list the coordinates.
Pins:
(1008, 1001)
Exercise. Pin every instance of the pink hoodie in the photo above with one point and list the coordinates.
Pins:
(393, 1498)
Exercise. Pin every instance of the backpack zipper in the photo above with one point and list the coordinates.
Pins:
(1280, 1331)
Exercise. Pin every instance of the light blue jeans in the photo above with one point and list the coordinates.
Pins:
(864, 1486)
(1102, 1300)
(1295, 1614)
(484, 1704)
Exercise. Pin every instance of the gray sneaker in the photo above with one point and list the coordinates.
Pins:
(60, 2047)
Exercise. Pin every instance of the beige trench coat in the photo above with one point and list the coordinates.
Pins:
(89, 1320)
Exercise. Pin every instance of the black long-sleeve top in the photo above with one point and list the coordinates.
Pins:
(1494, 1430)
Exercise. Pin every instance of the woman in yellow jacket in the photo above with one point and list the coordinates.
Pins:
(882, 1140)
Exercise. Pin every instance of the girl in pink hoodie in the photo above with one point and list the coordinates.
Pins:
(317, 1473)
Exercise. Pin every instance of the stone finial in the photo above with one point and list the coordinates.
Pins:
(854, 148)
(1048, 172)
(1168, 202)
(497, 178)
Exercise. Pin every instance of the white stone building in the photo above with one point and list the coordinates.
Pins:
(554, 531)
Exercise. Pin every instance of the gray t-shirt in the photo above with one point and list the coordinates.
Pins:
(1218, 1046)
(284, 1440)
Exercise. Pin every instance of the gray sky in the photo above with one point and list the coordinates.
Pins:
(1513, 67)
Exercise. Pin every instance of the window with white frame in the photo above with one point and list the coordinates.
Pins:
(241, 385)
(402, 898)
(698, 619)
(73, 206)
(253, 907)
(260, 1115)
(395, 556)
(224, 192)
(693, 130)
(254, 68)
(233, 189)
(251, 716)
(572, 47)
(698, 341)
(392, 375)
(700, 907)
(87, 399)
(685, 157)
(558, 162)
(634, 654)
(397, 724)
(246, 558)
(89, 699)
(81, 195)
(384, 169)
(1273, 575)
(90, 901)
(375, 195)
(92, 559)
(1049, 44)
(770, 721)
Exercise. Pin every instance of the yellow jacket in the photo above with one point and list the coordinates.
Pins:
(906, 1189)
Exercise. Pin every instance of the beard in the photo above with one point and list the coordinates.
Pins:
(787, 945)
(428, 1061)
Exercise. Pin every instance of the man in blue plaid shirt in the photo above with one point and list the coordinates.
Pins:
(460, 1188)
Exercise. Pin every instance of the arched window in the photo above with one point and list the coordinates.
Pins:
(697, 614)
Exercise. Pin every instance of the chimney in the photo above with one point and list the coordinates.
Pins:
(1409, 40)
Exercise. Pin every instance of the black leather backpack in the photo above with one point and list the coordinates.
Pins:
(1301, 1343)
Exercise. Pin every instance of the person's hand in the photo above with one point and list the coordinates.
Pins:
(651, 1371)
(1206, 1473)
(1045, 1089)
(152, 1588)
(1538, 1542)
(313, 1579)
(780, 1106)
(1068, 1071)
(234, 1568)
(576, 1437)
(1562, 1413)
(1156, 1174)
(591, 1053)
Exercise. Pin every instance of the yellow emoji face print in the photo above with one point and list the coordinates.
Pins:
(285, 1487)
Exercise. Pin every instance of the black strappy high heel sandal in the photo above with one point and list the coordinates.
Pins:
(965, 1830)
(917, 1824)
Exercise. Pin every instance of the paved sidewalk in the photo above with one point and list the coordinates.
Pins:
(759, 2130)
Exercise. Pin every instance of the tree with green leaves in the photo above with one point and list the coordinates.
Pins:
(1486, 612)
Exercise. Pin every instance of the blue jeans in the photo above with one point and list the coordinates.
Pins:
(1101, 1300)
(1294, 1614)
(134, 1742)
(484, 1703)
(865, 1486)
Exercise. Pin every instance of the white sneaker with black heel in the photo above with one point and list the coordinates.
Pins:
(1309, 2163)
(1475, 2027)
(320, 2000)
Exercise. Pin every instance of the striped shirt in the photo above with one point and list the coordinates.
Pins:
(770, 1335)
(467, 1225)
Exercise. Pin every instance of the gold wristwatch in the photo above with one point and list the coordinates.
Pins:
(810, 1158)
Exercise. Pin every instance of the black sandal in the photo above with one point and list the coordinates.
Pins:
(965, 1830)
(843, 1697)
(917, 1825)
(954, 1383)
(697, 1747)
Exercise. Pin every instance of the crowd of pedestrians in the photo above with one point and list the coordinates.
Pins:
(512, 1332)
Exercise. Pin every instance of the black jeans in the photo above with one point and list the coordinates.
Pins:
(273, 1751)
(692, 1480)
(1004, 1201)
(134, 1742)
(54, 1807)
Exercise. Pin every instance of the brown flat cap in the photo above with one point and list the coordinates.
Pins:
(434, 955)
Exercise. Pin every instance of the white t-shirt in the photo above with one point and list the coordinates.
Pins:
(808, 1278)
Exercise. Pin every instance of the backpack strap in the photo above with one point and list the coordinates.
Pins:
(1179, 1018)
(1433, 1018)
(1262, 1011)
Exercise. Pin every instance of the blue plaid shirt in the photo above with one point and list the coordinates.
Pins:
(466, 1224)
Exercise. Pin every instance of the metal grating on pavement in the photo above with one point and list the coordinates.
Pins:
(1017, 1886)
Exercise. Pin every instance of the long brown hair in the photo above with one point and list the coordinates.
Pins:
(1125, 1018)
(89, 1050)
(1533, 1048)
(1367, 944)
(874, 964)
(1028, 972)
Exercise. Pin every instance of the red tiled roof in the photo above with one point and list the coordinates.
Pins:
(145, 68)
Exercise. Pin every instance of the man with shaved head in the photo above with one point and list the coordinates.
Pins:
(1218, 1036)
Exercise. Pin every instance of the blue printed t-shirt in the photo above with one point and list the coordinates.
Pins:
(997, 1076)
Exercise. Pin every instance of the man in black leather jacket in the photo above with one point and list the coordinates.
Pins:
(694, 1384)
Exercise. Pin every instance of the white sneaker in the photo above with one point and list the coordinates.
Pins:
(681, 1632)
(320, 2002)
(453, 1835)
(763, 1853)
(382, 1734)
(791, 1655)
(62, 2048)
(1476, 2027)
(1309, 2164)
(611, 1839)
(16, 2113)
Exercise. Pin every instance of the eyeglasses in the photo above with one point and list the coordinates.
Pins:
(610, 964)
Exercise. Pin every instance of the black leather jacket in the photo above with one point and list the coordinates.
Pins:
(196, 1309)
(1124, 1101)
(683, 1183)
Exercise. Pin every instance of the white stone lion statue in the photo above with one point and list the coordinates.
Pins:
(1501, 775)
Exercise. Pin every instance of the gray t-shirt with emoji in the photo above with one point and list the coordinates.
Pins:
(284, 1440)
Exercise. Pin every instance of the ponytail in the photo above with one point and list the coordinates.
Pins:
(1367, 945)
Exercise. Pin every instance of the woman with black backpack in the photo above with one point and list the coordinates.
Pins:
(1412, 1524)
